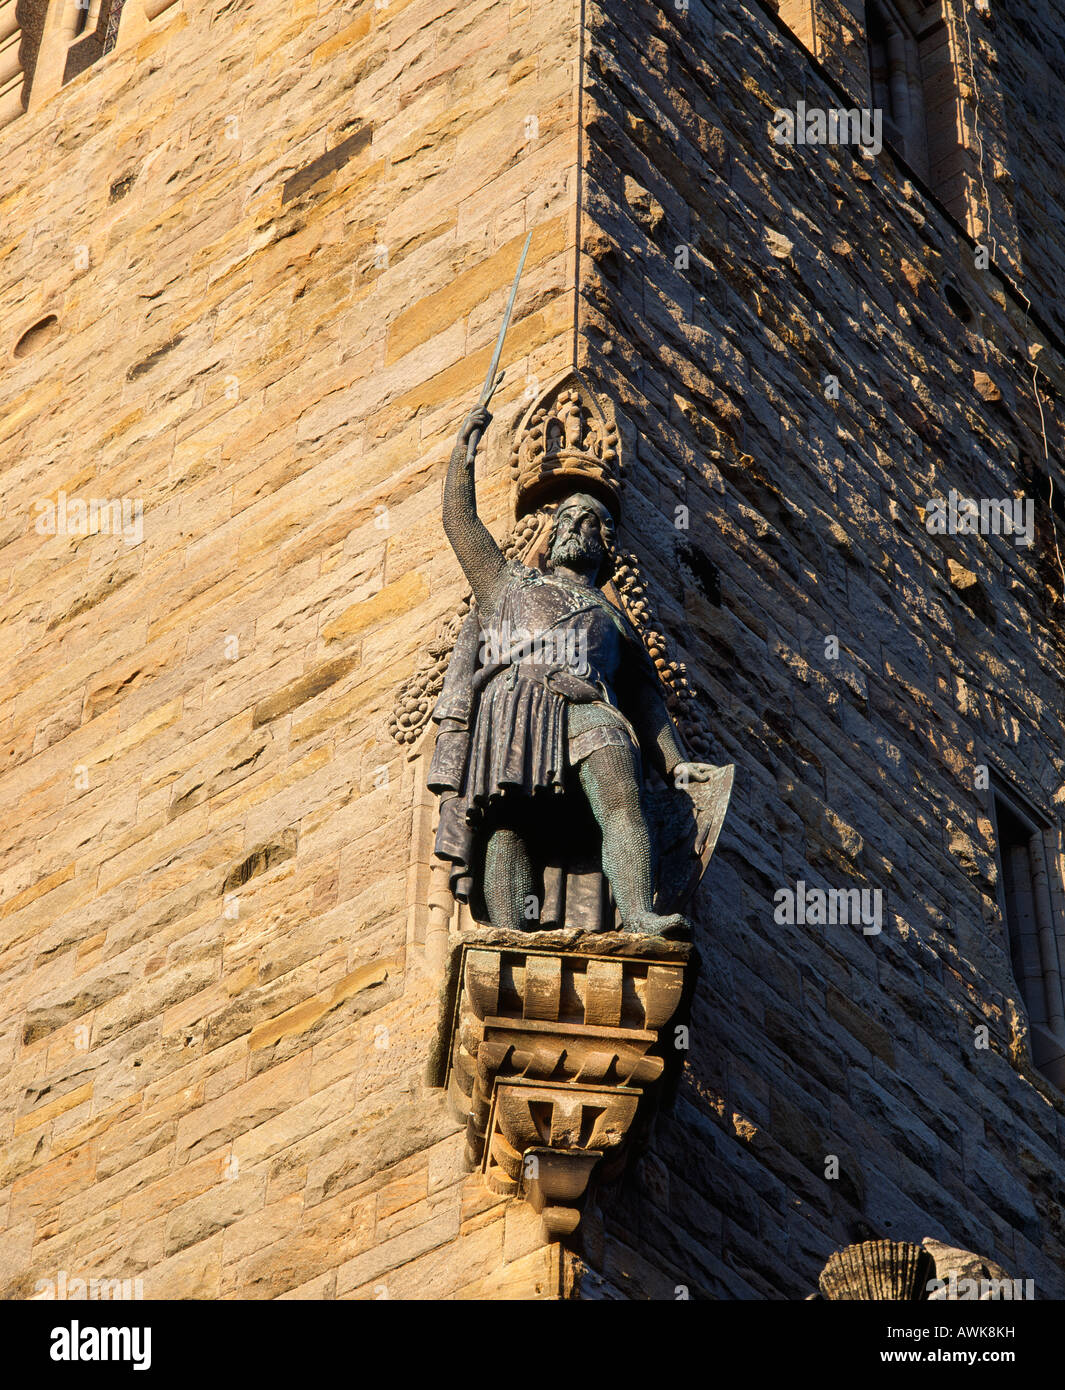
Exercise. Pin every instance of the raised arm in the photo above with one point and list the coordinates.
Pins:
(482, 561)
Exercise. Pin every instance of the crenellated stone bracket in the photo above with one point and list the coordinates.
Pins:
(551, 1051)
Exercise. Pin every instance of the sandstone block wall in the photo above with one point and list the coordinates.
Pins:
(251, 267)
(269, 247)
(806, 523)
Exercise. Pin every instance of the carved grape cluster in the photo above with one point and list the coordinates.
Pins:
(681, 696)
(418, 694)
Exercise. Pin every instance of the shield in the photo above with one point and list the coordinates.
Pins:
(686, 822)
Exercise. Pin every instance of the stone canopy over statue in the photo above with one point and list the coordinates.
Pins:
(552, 712)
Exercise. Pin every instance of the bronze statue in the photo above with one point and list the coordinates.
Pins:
(550, 706)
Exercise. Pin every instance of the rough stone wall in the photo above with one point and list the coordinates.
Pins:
(213, 1031)
(254, 262)
(806, 522)
(1028, 42)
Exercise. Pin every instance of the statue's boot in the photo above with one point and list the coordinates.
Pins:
(654, 924)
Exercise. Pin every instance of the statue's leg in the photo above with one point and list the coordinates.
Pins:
(610, 778)
(508, 881)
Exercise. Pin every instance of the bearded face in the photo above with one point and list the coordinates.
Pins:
(578, 539)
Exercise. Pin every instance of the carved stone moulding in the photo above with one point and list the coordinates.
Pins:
(545, 1141)
(551, 1053)
(895, 1271)
(899, 1271)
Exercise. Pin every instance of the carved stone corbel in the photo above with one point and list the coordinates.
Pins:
(552, 1050)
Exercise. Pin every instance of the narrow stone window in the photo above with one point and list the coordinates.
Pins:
(94, 33)
(913, 81)
(1030, 903)
(45, 44)
(910, 70)
(895, 80)
(93, 27)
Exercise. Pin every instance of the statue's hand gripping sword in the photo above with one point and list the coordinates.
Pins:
(492, 380)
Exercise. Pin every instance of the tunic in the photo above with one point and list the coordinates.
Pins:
(547, 698)
(529, 694)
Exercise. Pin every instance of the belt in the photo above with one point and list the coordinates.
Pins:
(560, 680)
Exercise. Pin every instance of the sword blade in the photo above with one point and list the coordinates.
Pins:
(489, 381)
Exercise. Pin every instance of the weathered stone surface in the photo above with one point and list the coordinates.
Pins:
(268, 299)
(809, 511)
(251, 265)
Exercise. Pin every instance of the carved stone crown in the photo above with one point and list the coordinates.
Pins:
(565, 443)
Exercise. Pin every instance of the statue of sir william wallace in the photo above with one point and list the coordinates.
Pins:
(550, 705)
